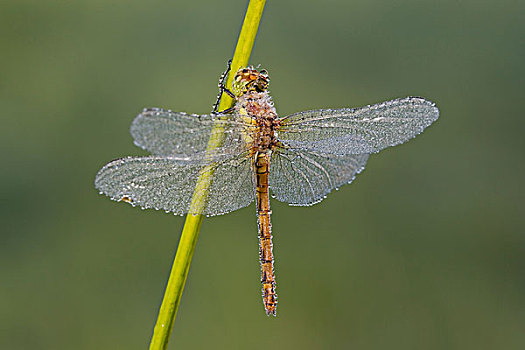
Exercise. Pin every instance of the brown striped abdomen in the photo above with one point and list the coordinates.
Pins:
(261, 170)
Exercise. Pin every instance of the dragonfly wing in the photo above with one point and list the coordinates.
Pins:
(301, 177)
(168, 183)
(166, 133)
(358, 131)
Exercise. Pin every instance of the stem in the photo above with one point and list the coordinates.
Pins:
(190, 232)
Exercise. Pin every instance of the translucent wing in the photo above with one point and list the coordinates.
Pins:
(357, 131)
(166, 133)
(305, 178)
(168, 183)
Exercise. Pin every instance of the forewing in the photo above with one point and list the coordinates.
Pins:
(166, 133)
(168, 183)
(301, 177)
(357, 131)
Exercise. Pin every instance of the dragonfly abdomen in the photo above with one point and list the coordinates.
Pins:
(261, 172)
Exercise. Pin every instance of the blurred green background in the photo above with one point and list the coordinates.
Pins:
(425, 250)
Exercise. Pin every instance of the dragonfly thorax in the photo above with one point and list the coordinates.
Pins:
(258, 107)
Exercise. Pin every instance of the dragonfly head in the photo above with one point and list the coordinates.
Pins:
(250, 80)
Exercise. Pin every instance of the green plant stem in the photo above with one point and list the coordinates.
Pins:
(192, 225)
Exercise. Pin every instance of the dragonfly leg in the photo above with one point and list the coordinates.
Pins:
(223, 89)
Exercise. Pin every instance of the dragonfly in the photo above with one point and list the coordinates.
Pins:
(301, 157)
